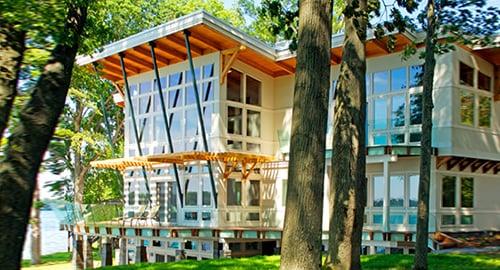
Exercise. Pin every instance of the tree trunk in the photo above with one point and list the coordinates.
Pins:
(11, 56)
(348, 183)
(301, 243)
(426, 144)
(28, 142)
(36, 230)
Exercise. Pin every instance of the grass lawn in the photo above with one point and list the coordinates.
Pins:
(396, 262)
(54, 258)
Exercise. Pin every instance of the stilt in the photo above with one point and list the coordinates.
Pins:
(106, 252)
(89, 258)
(140, 253)
(122, 259)
(77, 252)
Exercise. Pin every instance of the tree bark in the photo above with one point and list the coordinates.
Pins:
(420, 260)
(348, 183)
(36, 230)
(28, 142)
(301, 243)
(11, 56)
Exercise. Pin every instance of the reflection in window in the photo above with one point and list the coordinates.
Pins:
(467, 192)
(189, 76)
(380, 114)
(174, 98)
(416, 75)
(254, 193)
(378, 191)
(415, 137)
(163, 83)
(466, 108)
(175, 79)
(368, 84)
(191, 123)
(157, 103)
(234, 145)
(234, 85)
(398, 79)
(380, 82)
(144, 104)
(160, 133)
(484, 111)
(233, 192)
(207, 118)
(448, 191)
(380, 139)
(191, 192)
(412, 219)
(398, 111)
(144, 132)
(206, 194)
(253, 147)
(133, 89)
(190, 95)
(466, 74)
(144, 87)
(253, 123)
(377, 219)
(483, 82)
(208, 71)
(448, 220)
(284, 188)
(234, 123)
(397, 191)
(175, 125)
(208, 91)
(253, 88)
(398, 138)
(416, 109)
(131, 194)
(413, 197)
(396, 219)
(466, 220)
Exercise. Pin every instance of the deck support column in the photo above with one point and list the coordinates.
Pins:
(77, 252)
(200, 115)
(106, 252)
(386, 227)
(122, 258)
(89, 260)
(140, 253)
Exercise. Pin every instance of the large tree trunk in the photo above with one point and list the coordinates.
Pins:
(28, 142)
(348, 184)
(426, 143)
(301, 246)
(36, 230)
(11, 56)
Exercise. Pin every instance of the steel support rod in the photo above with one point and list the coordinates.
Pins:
(200, 115)
(134, 123)
(167, 123)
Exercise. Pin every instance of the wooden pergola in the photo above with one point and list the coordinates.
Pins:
(227, 161)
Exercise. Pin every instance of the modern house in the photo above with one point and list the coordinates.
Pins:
(211, 160)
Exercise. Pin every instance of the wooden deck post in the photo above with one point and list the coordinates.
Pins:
(77, 252)
(88, 258)
(106, 252)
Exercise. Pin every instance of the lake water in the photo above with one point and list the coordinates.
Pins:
(53, 240)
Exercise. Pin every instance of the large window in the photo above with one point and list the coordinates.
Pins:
(413, 190)
(397, 191)
(191, 192)
(234, 85)
(467, 108)
(484, 111)
(467, 192)
(483, 81)
(233, 192)
(234, 123)
(254, 193)
(448, 191)
(206, 198)
(466, 75)
(253, 91)
(253, 123)
(378, 191)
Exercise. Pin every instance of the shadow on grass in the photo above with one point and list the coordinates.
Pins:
(436, 262)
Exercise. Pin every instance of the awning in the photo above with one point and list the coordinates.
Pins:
(122, 163)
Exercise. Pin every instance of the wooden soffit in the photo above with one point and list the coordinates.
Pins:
(464, 163)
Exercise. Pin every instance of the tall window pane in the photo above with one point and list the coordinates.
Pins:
(234, 85)
(466, 74)
(145, 87)
(448, 191)
(254, 193)
(380, 114)
(160, 132)
(234, 123)
(483, 81)
(416, 109)
(253, 123)
(175, 125)
(378, 191)
(208, 91)
(190, 95)
(175, 79)
(208, 71)
(484, 111)
(233, 192)
(189, 76)
(397, 191)
(174, 98)
(413, 196)
(191, 123)
(467, 192)
(380, 82)
(207, 118)
(191, 192)
(398, 111)
(416, 74)
(398, 79)
(467, 108)
(253, 92)
(206, 198)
